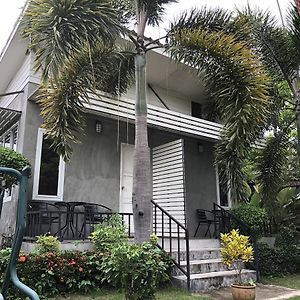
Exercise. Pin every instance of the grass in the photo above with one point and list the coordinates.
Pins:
(291, 281)
(165, 294)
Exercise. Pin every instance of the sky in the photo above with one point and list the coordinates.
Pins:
(10, 10)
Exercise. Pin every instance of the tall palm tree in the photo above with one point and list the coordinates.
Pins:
(76, 48)
(279, 50)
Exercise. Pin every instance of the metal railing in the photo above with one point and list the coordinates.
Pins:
(170, 230)
(225, 221)
(66, 225)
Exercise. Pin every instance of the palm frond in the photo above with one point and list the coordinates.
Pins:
(293, 21)
(238, 82)
(62, 102)
(274, 44)
(211, 20)
(270, 167)
(57, 28)
(154, 9)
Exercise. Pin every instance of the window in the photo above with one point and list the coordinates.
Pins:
(223, 195)
(196, 110)
(9, 140)
(49, 171)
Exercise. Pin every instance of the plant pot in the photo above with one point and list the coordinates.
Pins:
(243, 292)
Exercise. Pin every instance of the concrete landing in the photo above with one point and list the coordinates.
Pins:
(263, 292)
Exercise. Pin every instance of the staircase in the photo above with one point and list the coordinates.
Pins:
(207, 270)
(198, 264)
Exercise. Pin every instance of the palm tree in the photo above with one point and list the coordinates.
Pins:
(76, 49)
(81, 36)
(279, 50)
(215, 44)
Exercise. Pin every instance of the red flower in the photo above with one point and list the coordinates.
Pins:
(80, 269)
(72, 262)
(22, 259)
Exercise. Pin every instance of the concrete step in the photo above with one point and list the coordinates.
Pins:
(204, 253)
(206, 281)
(194, 244)
(202, 266)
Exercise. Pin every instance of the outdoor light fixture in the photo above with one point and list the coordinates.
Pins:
(98, 127)
(200, 148)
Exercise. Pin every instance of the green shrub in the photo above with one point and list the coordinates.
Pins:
(55, 273)
(46, 244)
(109, 234)
(12, 159)
(284, 257)
(138, 269)
(287, 236)
(252, 215)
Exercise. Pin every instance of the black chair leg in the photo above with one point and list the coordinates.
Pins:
(197, 229)
(208, 230)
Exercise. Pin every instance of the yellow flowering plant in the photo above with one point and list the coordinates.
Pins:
(236, 250)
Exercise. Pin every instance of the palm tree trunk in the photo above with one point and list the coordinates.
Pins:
(142, 183)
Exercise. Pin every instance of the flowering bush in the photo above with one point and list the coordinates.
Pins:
(138, 269)
(53, 273)
(235, 251)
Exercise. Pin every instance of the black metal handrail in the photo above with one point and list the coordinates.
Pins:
(223, 224)
(169, 233)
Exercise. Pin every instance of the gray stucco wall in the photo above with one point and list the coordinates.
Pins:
(200, 178)
(93, 173)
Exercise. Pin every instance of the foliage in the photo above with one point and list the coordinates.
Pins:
(138, 269)
(287, 236)
(234, 76)
(53, 27)
(278, 261)
(109, 234)
(47, 243)
(279, 52)
(12, 159)
(270, 162)
(236, 250)
(52, 273)
(55, 273)
(284, 257)
(252, 215)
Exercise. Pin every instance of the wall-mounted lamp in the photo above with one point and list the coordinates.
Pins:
(98, 127)
(200, 148)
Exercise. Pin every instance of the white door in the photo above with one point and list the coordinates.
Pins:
(126, 179)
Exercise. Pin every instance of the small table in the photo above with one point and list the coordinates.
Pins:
(70, 212)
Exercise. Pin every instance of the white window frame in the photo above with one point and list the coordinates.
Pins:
(7, 197)
(218, 192)
(37, 167)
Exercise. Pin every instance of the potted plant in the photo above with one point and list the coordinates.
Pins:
(236, 250)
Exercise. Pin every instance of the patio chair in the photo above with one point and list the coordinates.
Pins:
(94, 214)
(203, 220)
(43, 213)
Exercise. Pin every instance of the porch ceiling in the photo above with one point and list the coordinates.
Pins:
(8, 118)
